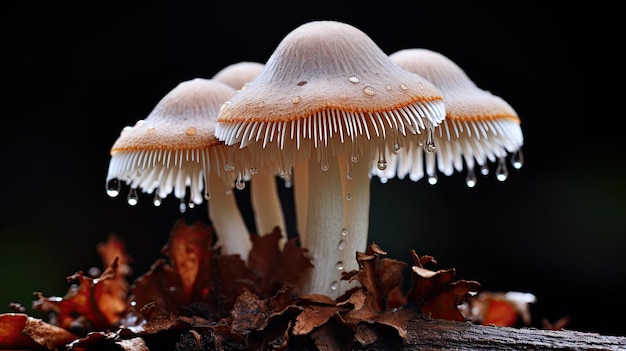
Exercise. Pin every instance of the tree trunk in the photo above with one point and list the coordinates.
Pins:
(434, 334)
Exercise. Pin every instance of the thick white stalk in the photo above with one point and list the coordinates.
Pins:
(356, 206)
(300, 195)
(268, 211)
(323, 229)
(230, 228)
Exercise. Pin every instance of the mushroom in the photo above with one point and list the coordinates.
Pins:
(238, 74)
(329, 102)
(174, 149)
(266, 205)
(479, 125)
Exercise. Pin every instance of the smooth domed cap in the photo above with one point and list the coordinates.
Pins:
(326, 65)
(237, 75)
(183, 119)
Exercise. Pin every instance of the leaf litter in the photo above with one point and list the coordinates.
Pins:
(195, 298)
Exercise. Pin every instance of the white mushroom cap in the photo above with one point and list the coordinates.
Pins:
(328, 82)
(175, 144)
(479, 125)
(238, 74)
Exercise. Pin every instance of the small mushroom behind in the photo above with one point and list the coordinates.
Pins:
(479, 126)
(268, 212)
(330, 103)
(174, 149)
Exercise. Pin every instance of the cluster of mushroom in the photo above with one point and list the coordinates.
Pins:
(327, 111)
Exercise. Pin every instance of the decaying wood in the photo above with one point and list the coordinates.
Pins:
(431, 334)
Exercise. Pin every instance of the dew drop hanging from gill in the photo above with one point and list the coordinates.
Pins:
(113, 187)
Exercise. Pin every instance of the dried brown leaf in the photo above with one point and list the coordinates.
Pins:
(18, 331)
(436, 293)
(273, 266)
(90, 305)
(189, 250)
(312, 317)
(159, 292)
(248, 313)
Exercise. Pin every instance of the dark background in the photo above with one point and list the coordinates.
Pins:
(75, 76)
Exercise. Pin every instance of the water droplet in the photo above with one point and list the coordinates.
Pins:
(228, 166)
(429, 145)
(245, 86)
(344, 232)
(382, 162)
(182, 207)
(348, 197)
(190, 131)
(354, 153)
(432, 179)
(470, 178)
(384, 180)
(404, 86)
(138, 173)
(334, 285)
(133, 197)
(288, 178)
(207, 195)
(229, 191)
(94, 271)
(295, 100)
(254, 170)
(517, 159)
(191, 205)
(353, 79)
(339, 266)
(113, 187)
(156, 200)
(369, 91)
(240, 184)
(349, 170)
(396, 141)
(388, 87)
(288, 184)
(133, 303)
(172, 288)
(484, 169)
(324, 161)
(341, 245)
(502, 172)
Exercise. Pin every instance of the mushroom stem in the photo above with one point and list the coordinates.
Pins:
(323, 229)
(300, 194)
(356, 205)
(230, 228)
(267, 207)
